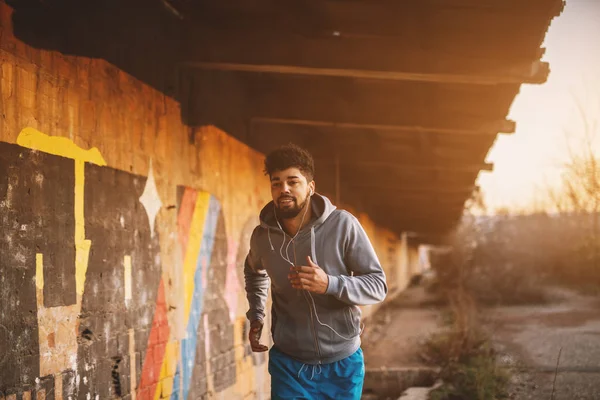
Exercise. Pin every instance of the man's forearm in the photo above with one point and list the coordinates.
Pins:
(257, 290)
(358, 290)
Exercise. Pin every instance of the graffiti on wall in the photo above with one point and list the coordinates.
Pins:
(83, 305)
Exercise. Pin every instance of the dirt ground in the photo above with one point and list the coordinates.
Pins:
(528, 339)
(392, 335)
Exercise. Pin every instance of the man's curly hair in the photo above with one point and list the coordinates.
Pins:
(290, 156)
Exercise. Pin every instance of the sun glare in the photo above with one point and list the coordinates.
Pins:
(548, 116)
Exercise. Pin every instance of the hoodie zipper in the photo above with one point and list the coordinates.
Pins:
(312, 317)
(312, 322)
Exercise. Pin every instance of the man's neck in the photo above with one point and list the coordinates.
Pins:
(292, 225)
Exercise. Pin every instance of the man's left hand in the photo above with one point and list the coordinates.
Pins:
(311, 278)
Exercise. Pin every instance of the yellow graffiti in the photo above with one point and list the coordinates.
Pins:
(82, 246)
(190, 265)
(39, 272)
(167, 371)
(193, 249)
(58, 146)
(60, 322)
(127, 276)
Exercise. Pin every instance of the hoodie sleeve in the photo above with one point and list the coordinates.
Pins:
(367, 285)
(257, 282)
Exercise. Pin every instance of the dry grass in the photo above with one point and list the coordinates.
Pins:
(501, 260)
(462, 350)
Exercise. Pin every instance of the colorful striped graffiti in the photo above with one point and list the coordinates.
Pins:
(85, 301)
(181, 369)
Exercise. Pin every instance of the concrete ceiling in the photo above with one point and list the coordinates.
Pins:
(399, 101)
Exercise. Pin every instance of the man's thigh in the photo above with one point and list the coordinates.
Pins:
(343, 379)
(289, 379)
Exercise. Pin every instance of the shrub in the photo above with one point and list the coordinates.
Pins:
(467, 360)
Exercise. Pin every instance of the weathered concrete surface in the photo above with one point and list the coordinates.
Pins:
(392, 336)
(391, 345)
(418, 393)
(530, 338)
(390, 383)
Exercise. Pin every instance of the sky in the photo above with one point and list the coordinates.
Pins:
(528, 162)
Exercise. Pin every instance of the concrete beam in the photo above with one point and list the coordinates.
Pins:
(537, 72)
(395, 166)
(491, 129)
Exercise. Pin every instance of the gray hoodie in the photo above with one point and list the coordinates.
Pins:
(314, 328)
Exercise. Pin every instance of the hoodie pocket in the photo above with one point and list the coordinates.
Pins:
(352, 316)
(276, 330)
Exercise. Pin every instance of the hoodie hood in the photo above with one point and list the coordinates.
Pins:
(321, 209)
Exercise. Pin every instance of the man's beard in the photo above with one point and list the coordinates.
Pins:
(290, 212)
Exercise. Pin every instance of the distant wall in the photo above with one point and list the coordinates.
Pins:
(122, 238)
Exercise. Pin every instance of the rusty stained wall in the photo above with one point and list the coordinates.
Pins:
(122, 238)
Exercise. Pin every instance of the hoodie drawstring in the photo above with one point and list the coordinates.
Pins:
(313, 253)
(269, 235)
(314, 367)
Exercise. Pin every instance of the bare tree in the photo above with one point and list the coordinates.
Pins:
(578, 192)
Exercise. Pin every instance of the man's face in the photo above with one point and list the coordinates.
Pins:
(290, 191)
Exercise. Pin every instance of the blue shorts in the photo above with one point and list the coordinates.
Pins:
(291, 379)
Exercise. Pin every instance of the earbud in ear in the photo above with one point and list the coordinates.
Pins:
(311, 192)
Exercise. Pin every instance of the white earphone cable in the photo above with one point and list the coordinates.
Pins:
(287, 258)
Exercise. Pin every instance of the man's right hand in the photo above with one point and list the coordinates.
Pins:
(254, 336)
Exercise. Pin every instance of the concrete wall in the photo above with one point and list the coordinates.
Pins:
(122, 238)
